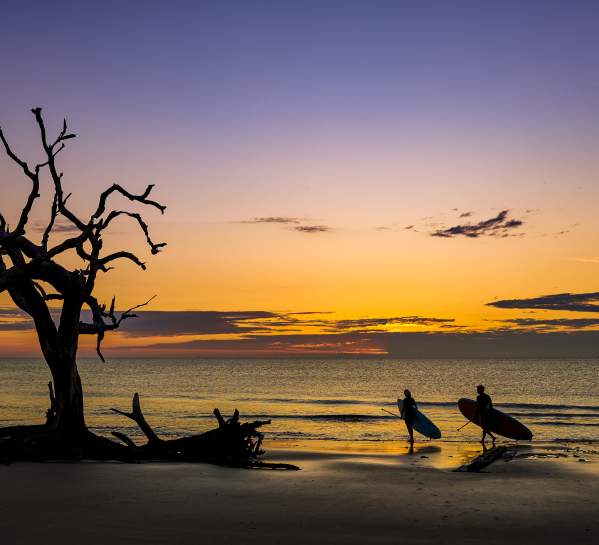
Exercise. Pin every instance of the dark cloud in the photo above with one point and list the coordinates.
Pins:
(335, 344)
(8, 312)
(498, 226)
(13, 319)
(270, 333)
(196, 322)
(576, 302)
(152, 323)
(312, 228)
(465, 214)
(156, 323)
(442, 345)
(177, 323)
(366, 323)
(273, 219)
(554, 323)
(409, 227)
(359, 324)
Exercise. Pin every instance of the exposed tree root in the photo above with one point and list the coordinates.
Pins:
(232, 444)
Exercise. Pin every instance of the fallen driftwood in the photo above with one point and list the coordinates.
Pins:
(232, 444)
(482, 461)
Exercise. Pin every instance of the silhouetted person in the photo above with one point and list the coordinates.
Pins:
(408, 412)
(484, 406)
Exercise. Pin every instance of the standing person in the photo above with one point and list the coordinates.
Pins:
(484, 405)
(408, 412)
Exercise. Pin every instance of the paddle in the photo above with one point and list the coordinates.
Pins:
(469, 421)
(392, 414)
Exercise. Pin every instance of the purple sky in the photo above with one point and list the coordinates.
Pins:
(346, 122)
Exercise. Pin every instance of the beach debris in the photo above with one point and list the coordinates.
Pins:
(482, 461)
(232, 444)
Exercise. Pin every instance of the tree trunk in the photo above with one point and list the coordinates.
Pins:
(69, 418)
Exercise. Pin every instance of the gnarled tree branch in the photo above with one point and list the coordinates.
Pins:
(143, 198)
(99, 314)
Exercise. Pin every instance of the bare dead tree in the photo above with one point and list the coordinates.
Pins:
(34, 275)
(26, 267)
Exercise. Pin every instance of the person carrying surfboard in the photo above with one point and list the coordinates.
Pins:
(408, 412)
(484, 406)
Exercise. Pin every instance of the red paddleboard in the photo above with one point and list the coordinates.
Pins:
(500, 423)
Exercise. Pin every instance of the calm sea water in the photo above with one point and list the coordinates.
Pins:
(338, 399)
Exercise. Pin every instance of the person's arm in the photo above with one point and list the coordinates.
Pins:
(414, 404)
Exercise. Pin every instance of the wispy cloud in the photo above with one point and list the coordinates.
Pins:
(295, 224)
(577, 302)
(273, 219)
(593, 260)
(60, 226)
(311, 229)
(498, 226)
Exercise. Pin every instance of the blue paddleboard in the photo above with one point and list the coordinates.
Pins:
(422, 424)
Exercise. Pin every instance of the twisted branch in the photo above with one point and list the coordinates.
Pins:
(143, 198)
(99, 326)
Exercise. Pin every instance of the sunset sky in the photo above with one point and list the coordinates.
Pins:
(340, 177)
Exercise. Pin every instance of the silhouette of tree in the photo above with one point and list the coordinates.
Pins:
(34, 274)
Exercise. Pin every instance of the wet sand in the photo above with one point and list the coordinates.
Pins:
(345, 494)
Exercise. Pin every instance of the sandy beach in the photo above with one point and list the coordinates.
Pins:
(341, 495)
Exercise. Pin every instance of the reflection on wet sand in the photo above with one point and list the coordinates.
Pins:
(437, 454)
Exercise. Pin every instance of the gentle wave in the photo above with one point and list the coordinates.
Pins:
(562, 423)
(312, 401)
(374, 417)
(327, 417)
(555, 415)
(541, 406)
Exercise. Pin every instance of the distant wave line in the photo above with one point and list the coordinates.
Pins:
(383, 417)
(512, 405)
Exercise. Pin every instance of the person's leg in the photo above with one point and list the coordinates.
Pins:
(410, 430)
(485, 424)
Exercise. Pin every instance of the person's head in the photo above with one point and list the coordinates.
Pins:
(407, 393)
(480, 388)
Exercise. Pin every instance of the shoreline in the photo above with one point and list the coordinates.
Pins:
(442, 454)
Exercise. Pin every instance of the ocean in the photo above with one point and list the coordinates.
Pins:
(319, 399)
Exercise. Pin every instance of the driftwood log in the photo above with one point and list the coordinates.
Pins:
(232, 443)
